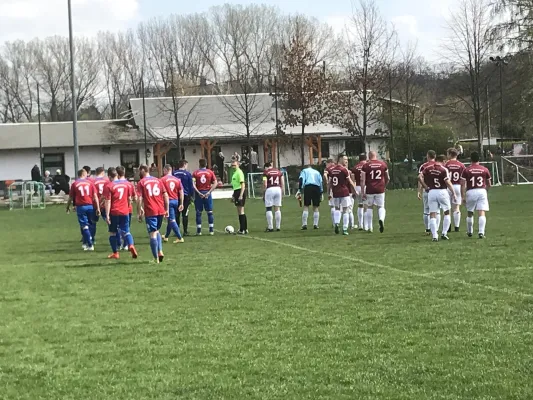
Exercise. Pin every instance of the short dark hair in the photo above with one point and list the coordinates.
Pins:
(202, 162)
(144, 168)
(340, 157)
(182, 163)
(168, 167)
(431, 154)
(362, 157)
(441, 158)
(268, 165)
(99, 170)
(112, 172)
(330, 161)
(474, 156)
(81, 172)
(87, 168)
(453, 152)
(121, 171)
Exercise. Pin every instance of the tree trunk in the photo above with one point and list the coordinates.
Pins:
(365, 119)
(302, 141)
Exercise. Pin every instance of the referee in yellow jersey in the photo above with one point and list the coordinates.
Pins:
(238, 183)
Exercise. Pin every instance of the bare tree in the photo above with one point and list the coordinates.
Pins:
(468, 44)
(515, 25)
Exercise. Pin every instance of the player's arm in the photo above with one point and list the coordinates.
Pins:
(421, 184)
(140, 209)
(182, 198)
(352, 184)
(463, 188)
(214, 184)
(167, 202)
(243, 186)
(97, 202)
(387, 177)
(196, 191)
(488, 181)
(70, 197)
(264, 182)
(107, 197)
(363, 182)
(282, 182)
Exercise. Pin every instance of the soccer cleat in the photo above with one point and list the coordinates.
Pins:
(381, 226)
(304, 228)
(450, 229)
(361, 229)
(90, 248)
(133, 252)
(337, 230)
(269, 230)
(278, 230)
(345, 232)
(211, 233)
(469, 234)
(315, 227)
(179, 241)
(445, 237)
(428, 232)
(456, 229)
(242, 232)
(160, 256)
(185, 233)
(84, 247)
(435, 240)
(114, 256)
(154, 261)
(198, 233)
(481, 236)
(165, 239)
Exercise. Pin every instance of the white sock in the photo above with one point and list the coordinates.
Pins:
(426, 221)
(305, 215)
(446, 224)
(433, 227)
(278, 219)
(482, 221)
(316, 218)
(457, 219)
(469, 224)
(333, 215)
(345, 221)
(352, 219)
(337, 218)
(368, 219)
(382, 214)
(361, 217)
(438, 220)
(270, 220)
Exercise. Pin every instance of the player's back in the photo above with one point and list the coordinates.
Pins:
(273, 177)
(172, 186)
(435, 176)
(338, 175)
(456, 169)
(152, 189)
(357, 172)
(476, 176)
(119, 192)
(100, 184)
(375, 176)
(204, 178)
(82, 191)
(425, 165)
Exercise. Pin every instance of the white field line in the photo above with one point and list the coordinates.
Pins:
(397, 270)
(472, 271)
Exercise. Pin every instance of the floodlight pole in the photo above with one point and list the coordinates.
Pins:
(144, 122)
(73, 91)
(40, 131)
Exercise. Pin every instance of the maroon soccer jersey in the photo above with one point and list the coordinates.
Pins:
(151, 190)
(357, 172)
(375, 176)
(204, 178)
(82, 192)
(456, 169)
(435, 176)
(338, 176)
(172, 186)
(119, 192)
(476, 177)
(273, 177)
(425, 165)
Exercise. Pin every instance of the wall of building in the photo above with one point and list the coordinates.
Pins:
(17, 164)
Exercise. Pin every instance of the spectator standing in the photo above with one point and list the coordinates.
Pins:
(254, 160)
(36, 173)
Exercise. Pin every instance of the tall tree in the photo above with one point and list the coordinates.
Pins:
(515, 26)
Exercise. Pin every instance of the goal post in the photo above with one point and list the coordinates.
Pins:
(26, 194)
(492, 166)
(517, 170)
(255, 185)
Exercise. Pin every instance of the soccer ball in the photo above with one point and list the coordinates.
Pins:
(229, 229)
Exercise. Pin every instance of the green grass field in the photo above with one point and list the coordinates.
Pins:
(289, 315)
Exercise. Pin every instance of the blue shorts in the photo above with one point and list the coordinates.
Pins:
(153, 224)
(173, 209)
(121, 222)
(85, 215)
(102, 214)
(203, 204)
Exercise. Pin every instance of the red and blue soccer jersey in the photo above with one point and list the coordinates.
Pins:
(100, 184)
(204, 178)
(119, 192)
(151, 190)
(172, 185)
(82, 192)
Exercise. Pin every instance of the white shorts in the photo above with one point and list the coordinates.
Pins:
(377, 200)
(439, 199)
(331, 202)
(352, 202)
(273, 196)
(425, 202)
(342, 202)
(359, 198)
(477, 200)
(457, 190)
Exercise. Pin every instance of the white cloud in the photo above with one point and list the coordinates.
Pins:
(406, 24)
(27, 19)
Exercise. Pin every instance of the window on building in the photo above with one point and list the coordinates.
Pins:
(129, 159)
(53, 162)
(354, 147)
(324, 148)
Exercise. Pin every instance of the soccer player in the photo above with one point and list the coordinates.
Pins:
(455, 168)
(153, 205)
(121, 175)
(310, 182)
(374, 180)
(83, 195)
(118, 194)
(356, 171)
(273, 184)
(436, 179)
(339, 178)
(476, 180)
(88, 170)
(204, 182)
(330, 164)
(100, 181)
(238, 183)
(185, 177)
(175, 202)
(423, 194)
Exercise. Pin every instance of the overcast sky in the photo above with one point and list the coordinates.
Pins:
(422, 21)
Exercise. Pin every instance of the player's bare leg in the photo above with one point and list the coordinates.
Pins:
(316, 217)
(361, 217)
(381, 216)
(446, 225)
(482, 222)
(433, 226)
(277, 216)
(337, 219)
(305, 216)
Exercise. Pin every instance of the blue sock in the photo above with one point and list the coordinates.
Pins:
(211, 220)
(128, 239)
(87, 237)
(113, 243)
(198, 222)
(169, 229)
(159, 242)
(92, 229)
(153, 246)
(176, 229)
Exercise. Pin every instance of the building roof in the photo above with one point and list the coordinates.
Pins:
(59, 134)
